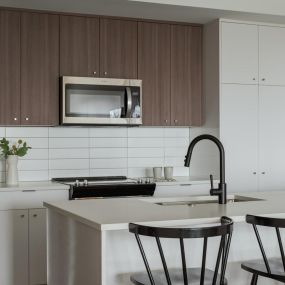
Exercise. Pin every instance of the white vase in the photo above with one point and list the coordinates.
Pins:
(12, 170)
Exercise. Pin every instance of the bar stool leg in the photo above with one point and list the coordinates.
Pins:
(254, 279)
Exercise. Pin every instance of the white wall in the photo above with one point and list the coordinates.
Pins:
(70, 151)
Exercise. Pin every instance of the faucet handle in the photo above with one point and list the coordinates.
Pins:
(211, 180)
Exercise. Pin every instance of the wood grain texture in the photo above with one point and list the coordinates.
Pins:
(10, 68)
(39, 69)
(79, 46)
(186, 76)
(118, 48)
(154, 70)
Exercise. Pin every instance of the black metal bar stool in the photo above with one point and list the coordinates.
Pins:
(179, 276)
(273, 268)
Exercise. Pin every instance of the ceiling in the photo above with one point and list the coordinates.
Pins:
(194, 11)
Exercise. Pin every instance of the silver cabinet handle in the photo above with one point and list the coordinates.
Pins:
(254, 173)
(166, 121)
(27, 119)
(94, 72)
(253, 78)
(105, 73)
(35, 215)
(263, 172)
(175, 121)
(263, 79)
(28, 190)
(15, 119)
(22, 216)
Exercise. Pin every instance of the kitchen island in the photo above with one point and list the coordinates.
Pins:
(89, 242)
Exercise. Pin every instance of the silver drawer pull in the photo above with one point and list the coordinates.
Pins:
(28, 190)
(188, 184)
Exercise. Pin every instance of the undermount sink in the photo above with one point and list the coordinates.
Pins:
(202, 200)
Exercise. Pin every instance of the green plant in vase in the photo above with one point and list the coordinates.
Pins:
(11, 153)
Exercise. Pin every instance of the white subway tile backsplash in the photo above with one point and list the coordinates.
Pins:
(32, 142)
(145, 132)
(98, 151)
(145, 152)
(108, 142)
(60, 153)
(109, 172)
(176, 142)
(145, 142)
(176, 133)
(2, 132)
(69, 164)
(108, 152)
(146, 162)
(53, 173)
(174, 161)
(32, 164)
(108, 163)
(108, 132)
(33, 175)
(175, 151)
(68, 142)
(27, 132)
(71, 132)
(36, 153)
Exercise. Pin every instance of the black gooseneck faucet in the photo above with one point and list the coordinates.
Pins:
(221, 191)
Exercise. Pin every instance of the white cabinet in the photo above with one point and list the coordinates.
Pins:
(272, 55)
(272, 137)
(14, 247)
(239, 53)
(23, 258)
(239, 135)
(37, 247)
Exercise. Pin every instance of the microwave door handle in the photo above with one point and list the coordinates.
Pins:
(129, 102)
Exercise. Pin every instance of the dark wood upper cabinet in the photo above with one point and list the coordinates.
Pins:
(10, 68)
(79, 46)
(186, 75)
(118, 48)
(154, 70)
(39, 69)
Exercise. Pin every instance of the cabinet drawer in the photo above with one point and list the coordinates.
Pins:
(30, 198)
(183, 189)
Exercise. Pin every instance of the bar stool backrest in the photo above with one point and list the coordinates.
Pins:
(224, 230)
(268, 222)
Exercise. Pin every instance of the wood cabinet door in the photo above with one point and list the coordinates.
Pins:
(79, 46)
(14, 247)
(271, 138)
(118, 48)
(37, 246)
(239, 53)
(239, 135)
(39, 69)
(186, 75)
(10, 68)
(271, 55)
(154, 70)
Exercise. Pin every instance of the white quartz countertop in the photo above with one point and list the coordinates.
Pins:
(33, 185)
(116, 214)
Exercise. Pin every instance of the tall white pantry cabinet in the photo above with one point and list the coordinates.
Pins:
(244, 73)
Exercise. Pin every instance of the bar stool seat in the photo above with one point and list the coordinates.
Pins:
(176, 276)
(258, 267)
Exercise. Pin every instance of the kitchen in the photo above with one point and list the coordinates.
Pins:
(203, 70)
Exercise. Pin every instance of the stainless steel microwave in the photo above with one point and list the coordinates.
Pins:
(100, 101)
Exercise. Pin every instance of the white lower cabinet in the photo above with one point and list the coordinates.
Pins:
(23, 254)
(14, 247)
(37, 247)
